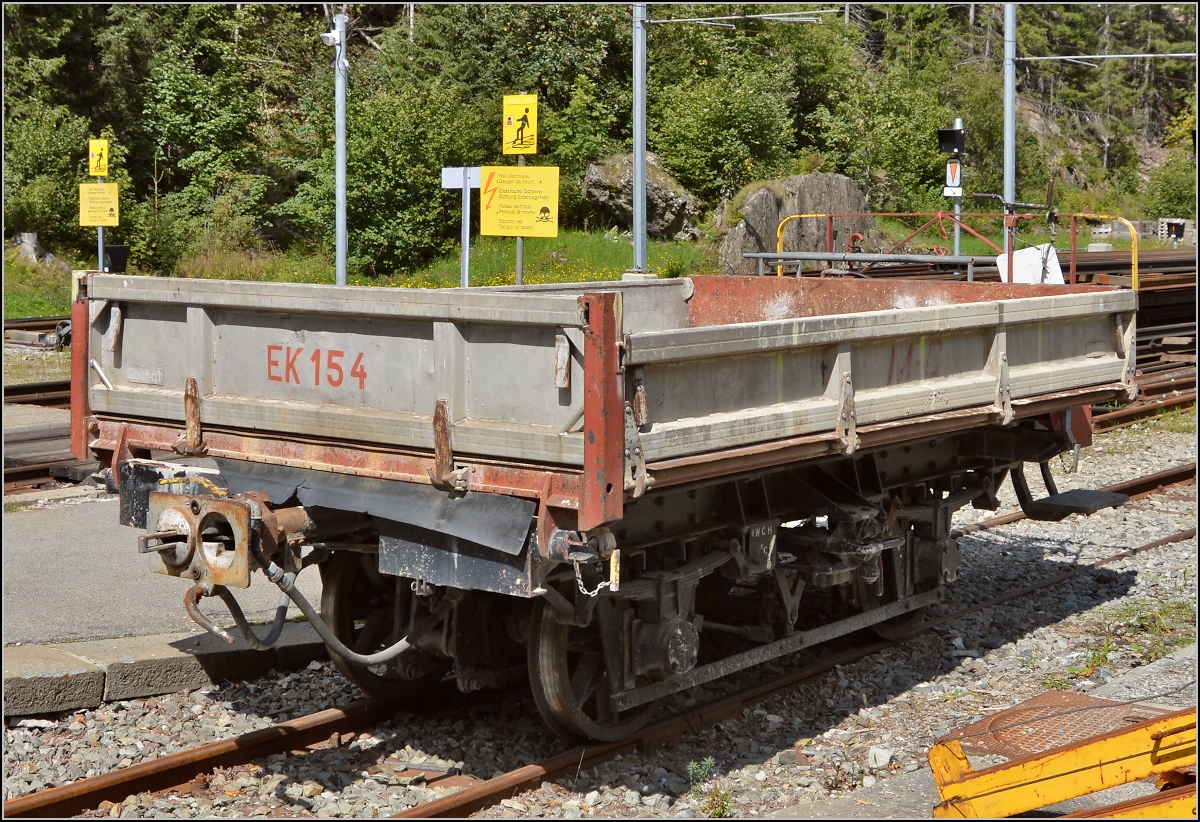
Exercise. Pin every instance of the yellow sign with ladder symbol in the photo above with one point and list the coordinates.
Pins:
(98, 158)
(520, 124)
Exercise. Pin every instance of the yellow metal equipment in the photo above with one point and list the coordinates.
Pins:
(1161, 745)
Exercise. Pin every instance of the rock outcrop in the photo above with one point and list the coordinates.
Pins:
(816, 193)
(30, 249)
(671, 211)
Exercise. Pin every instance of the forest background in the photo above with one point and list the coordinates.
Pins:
(220, 117)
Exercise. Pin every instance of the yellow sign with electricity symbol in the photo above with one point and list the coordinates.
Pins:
(98, 158)
(98, 204)
(520, 124)
(518, 201)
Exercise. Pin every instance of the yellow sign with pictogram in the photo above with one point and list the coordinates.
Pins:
(518, 201)
(98, 158)
(520, 124)
(98, 204)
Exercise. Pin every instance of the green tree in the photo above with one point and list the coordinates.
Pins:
(884, 138)
(1171, 190)
(716, 136)
(398, 141)
(45, 156)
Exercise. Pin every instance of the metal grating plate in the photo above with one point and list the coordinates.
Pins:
(1047, 721)
(1077, 501)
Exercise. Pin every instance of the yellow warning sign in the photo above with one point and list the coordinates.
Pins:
(98, 204)
(519, 201)
(520, 124)
(98, 158)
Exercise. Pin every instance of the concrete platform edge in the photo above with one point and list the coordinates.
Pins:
(43, 679)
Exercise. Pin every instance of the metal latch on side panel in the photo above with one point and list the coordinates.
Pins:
(1003, 395)
(443, 475)
(562, 361)
(191, 441)
(847, 419)
(636, 478)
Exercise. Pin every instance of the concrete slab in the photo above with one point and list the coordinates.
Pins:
(147, 666)
(906, 796)
(75, 492)
(20, 418)
(40, 679)
(72, 573)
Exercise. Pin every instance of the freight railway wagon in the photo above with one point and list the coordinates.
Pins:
(615, 490)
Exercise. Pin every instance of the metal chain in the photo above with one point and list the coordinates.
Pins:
(579, 581)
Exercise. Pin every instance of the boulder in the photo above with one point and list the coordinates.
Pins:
(816, 193)
(671, 211)
(30, 249)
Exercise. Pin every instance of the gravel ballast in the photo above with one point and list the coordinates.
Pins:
(858, 725)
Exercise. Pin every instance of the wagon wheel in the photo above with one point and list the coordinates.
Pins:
(358, 603)
(570, 683)
(865, 596)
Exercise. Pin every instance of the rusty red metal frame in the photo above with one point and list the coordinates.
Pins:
(603, 486)
(80, 411)
(531, 482)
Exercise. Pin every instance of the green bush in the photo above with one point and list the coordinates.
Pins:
(45, 152)
(398, 140)
(882, 137)
(1171, 190)
(716, 135)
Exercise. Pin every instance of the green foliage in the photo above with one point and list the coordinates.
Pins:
(224, 112)
(717, 135)
(1172, 189)
(32, 290)
(880, 136)
(718, 803)
(45, 156)
(574, 137)
(699, 772)
(398, 141)
(715, 801)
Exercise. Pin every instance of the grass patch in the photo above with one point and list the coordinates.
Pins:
(1147, 629)
(259, 266)
(25, 365)
(1176, 420)
(32, 290)
(571, 257)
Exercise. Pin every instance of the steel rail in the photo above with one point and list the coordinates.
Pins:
(1139, 411)
(54, 393)
(1137, 488)
(179, 768)
(26, 476)
(34, 323)
(680, 726)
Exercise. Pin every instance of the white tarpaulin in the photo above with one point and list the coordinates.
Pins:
(1036, 264)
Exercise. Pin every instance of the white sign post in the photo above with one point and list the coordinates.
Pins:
(466, 178)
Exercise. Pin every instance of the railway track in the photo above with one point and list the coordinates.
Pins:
(185, 771)
(52, 394)
(37, 332)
